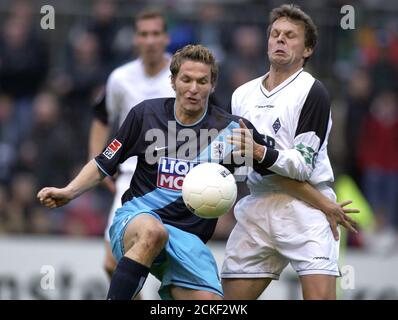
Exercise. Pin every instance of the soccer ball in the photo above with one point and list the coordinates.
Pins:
(209, 190)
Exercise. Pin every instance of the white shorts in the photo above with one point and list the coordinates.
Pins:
(274, 229)
(122, 184)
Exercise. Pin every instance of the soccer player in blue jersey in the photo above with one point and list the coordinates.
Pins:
(146, 77)
(154, 231)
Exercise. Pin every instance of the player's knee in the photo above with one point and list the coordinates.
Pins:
(154, 236)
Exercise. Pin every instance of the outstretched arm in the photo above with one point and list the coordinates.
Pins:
(99, 135)
(87, 178)
(335, 213)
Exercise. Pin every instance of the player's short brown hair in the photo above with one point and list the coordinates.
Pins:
(196, 53)
(151, 13)
(293, 12)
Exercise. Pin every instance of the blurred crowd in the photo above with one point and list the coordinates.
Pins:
(49, 80)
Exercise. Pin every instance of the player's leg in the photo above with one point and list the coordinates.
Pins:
(318, 287)
(307, 241)
(244, 289)
(144, 238)
(137, 239)
(250, 262)
(187, 268)
(122, 183)
(110, 264)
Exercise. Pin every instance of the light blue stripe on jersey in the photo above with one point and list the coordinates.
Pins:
(205, 155)
(156, 199)
(160, 198)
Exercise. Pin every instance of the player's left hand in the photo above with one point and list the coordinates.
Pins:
(337, 214)
(245, 146)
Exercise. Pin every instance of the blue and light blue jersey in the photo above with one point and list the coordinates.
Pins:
(156, 185)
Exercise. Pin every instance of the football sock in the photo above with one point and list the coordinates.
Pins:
(127, 280)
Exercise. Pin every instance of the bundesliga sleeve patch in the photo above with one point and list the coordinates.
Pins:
(111, 150)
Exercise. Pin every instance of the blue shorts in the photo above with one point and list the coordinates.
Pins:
(184, 262)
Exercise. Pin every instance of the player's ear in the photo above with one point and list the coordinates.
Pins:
(308, 52)
(173, 83)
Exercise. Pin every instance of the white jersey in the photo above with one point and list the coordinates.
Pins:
(274, 228)
(129, 85)
(295, 120)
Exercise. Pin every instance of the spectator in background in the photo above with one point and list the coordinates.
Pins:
(48, 151)
(104, 26)
(41, 221)
(78, 84)
(181, 33)
(82, 218)
(21, 203)
(375, 49)
(210, 32)
(83, 72)
(3, 209)
(19, 212)
(104, 20)
(367, 48)
(8, 139)
(245, 62)
(23, 9)
(358, 99)
(392, 40)
(384, 73)
(378, 158)
(248, 53)
(23, 62)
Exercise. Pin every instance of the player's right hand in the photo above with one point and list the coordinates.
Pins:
(53, 197)
(337, 215)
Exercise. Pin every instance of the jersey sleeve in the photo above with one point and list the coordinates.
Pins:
(113, 97)
(299, 162)
(124, 145)
(234, 105)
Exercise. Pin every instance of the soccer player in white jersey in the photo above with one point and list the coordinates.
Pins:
(291, 110)
(147, 77)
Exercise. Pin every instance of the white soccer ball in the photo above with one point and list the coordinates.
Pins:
(209, 190)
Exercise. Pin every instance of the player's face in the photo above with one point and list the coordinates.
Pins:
(193, 86)
(286, 44)
(151, 39)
